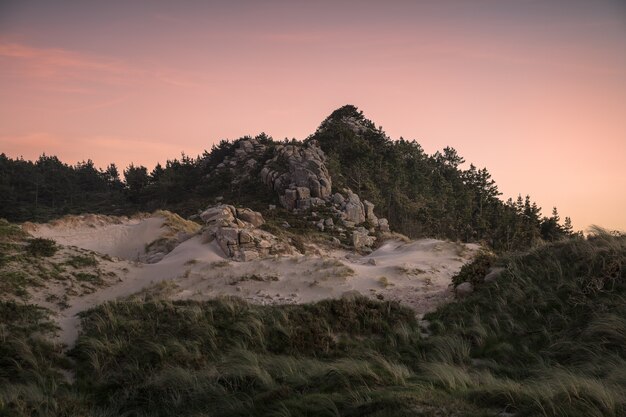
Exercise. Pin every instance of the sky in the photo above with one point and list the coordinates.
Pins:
(534, 90)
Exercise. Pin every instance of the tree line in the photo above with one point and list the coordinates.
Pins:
(420, 194)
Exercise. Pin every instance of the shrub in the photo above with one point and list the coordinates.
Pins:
(42, 247)
(476, 270)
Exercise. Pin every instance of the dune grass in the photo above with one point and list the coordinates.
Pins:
(547, 338)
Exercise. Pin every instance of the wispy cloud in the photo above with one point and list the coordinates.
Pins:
(64, 69)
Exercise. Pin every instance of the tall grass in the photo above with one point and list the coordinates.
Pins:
(547, 338)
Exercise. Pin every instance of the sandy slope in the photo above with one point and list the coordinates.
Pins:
(124, 238)
(416, 273)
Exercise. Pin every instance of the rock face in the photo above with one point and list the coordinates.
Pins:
(236, 233)
(299, 175)
(355, 211)
(247, 153)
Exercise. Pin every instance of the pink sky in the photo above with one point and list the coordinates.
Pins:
(534, 92)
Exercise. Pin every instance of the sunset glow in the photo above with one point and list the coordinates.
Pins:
(533, 90)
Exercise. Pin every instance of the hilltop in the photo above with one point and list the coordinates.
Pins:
(421, 195)
(347, 274)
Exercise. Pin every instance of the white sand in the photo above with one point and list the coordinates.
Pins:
(126, 239)
(416, 274)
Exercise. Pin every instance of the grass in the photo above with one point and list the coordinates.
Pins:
(253, 277)
(82, 261)
(547, 338)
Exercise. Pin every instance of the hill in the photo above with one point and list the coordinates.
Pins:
(421, 195)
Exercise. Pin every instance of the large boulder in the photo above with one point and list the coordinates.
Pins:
(369, 212)
(298, 172)
(355, 211)
(236, 233)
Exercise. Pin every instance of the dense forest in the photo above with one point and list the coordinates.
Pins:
(420, 194)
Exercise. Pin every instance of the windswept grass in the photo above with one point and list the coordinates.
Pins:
(547, 338)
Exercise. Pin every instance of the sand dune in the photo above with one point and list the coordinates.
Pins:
(416, 273)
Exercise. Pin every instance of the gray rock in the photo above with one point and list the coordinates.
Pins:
(361, 240)
(464, 289)
(250, 216)
(369, 212)
(493, 274)
(301, 167)
(383, 225)
(303, 193)
(304, 204)
(329, 222)
(338, 199)
(355, 212)
(219, 214)
(347, 223)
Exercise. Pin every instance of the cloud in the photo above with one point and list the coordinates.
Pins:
(67, 70)
(62, 65)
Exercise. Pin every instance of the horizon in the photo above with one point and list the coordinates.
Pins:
(534, 92)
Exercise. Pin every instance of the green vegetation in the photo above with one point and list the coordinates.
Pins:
(81, 261)
(41, 247)
(475, 271)
(547, 338)
(420, 194)
(31, 382)
(428, 195)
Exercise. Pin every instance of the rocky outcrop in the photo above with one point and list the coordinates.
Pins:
(361, 238)
(354, 209)
(247, 153)
(299, 175)
(236, 233)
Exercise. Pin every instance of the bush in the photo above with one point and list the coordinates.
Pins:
(42, 247)
(476, 270)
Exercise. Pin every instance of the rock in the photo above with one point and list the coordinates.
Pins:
(493, 274)
(285, 225)
(316, 201)
(371, 261)
(248, 255)
(361, 240)
(304, 204)
(338, 199)
(329, 222)
(221, 213)
(300, 167)
(272, 207)
(289, 199)
(320, 225)
(303, 193)
(369, 212)
(250, 216)
(347, 223)
(464, 289)
(245, 237)
(354, 209)
(240, 239)
(335, 241)
(383, 225)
